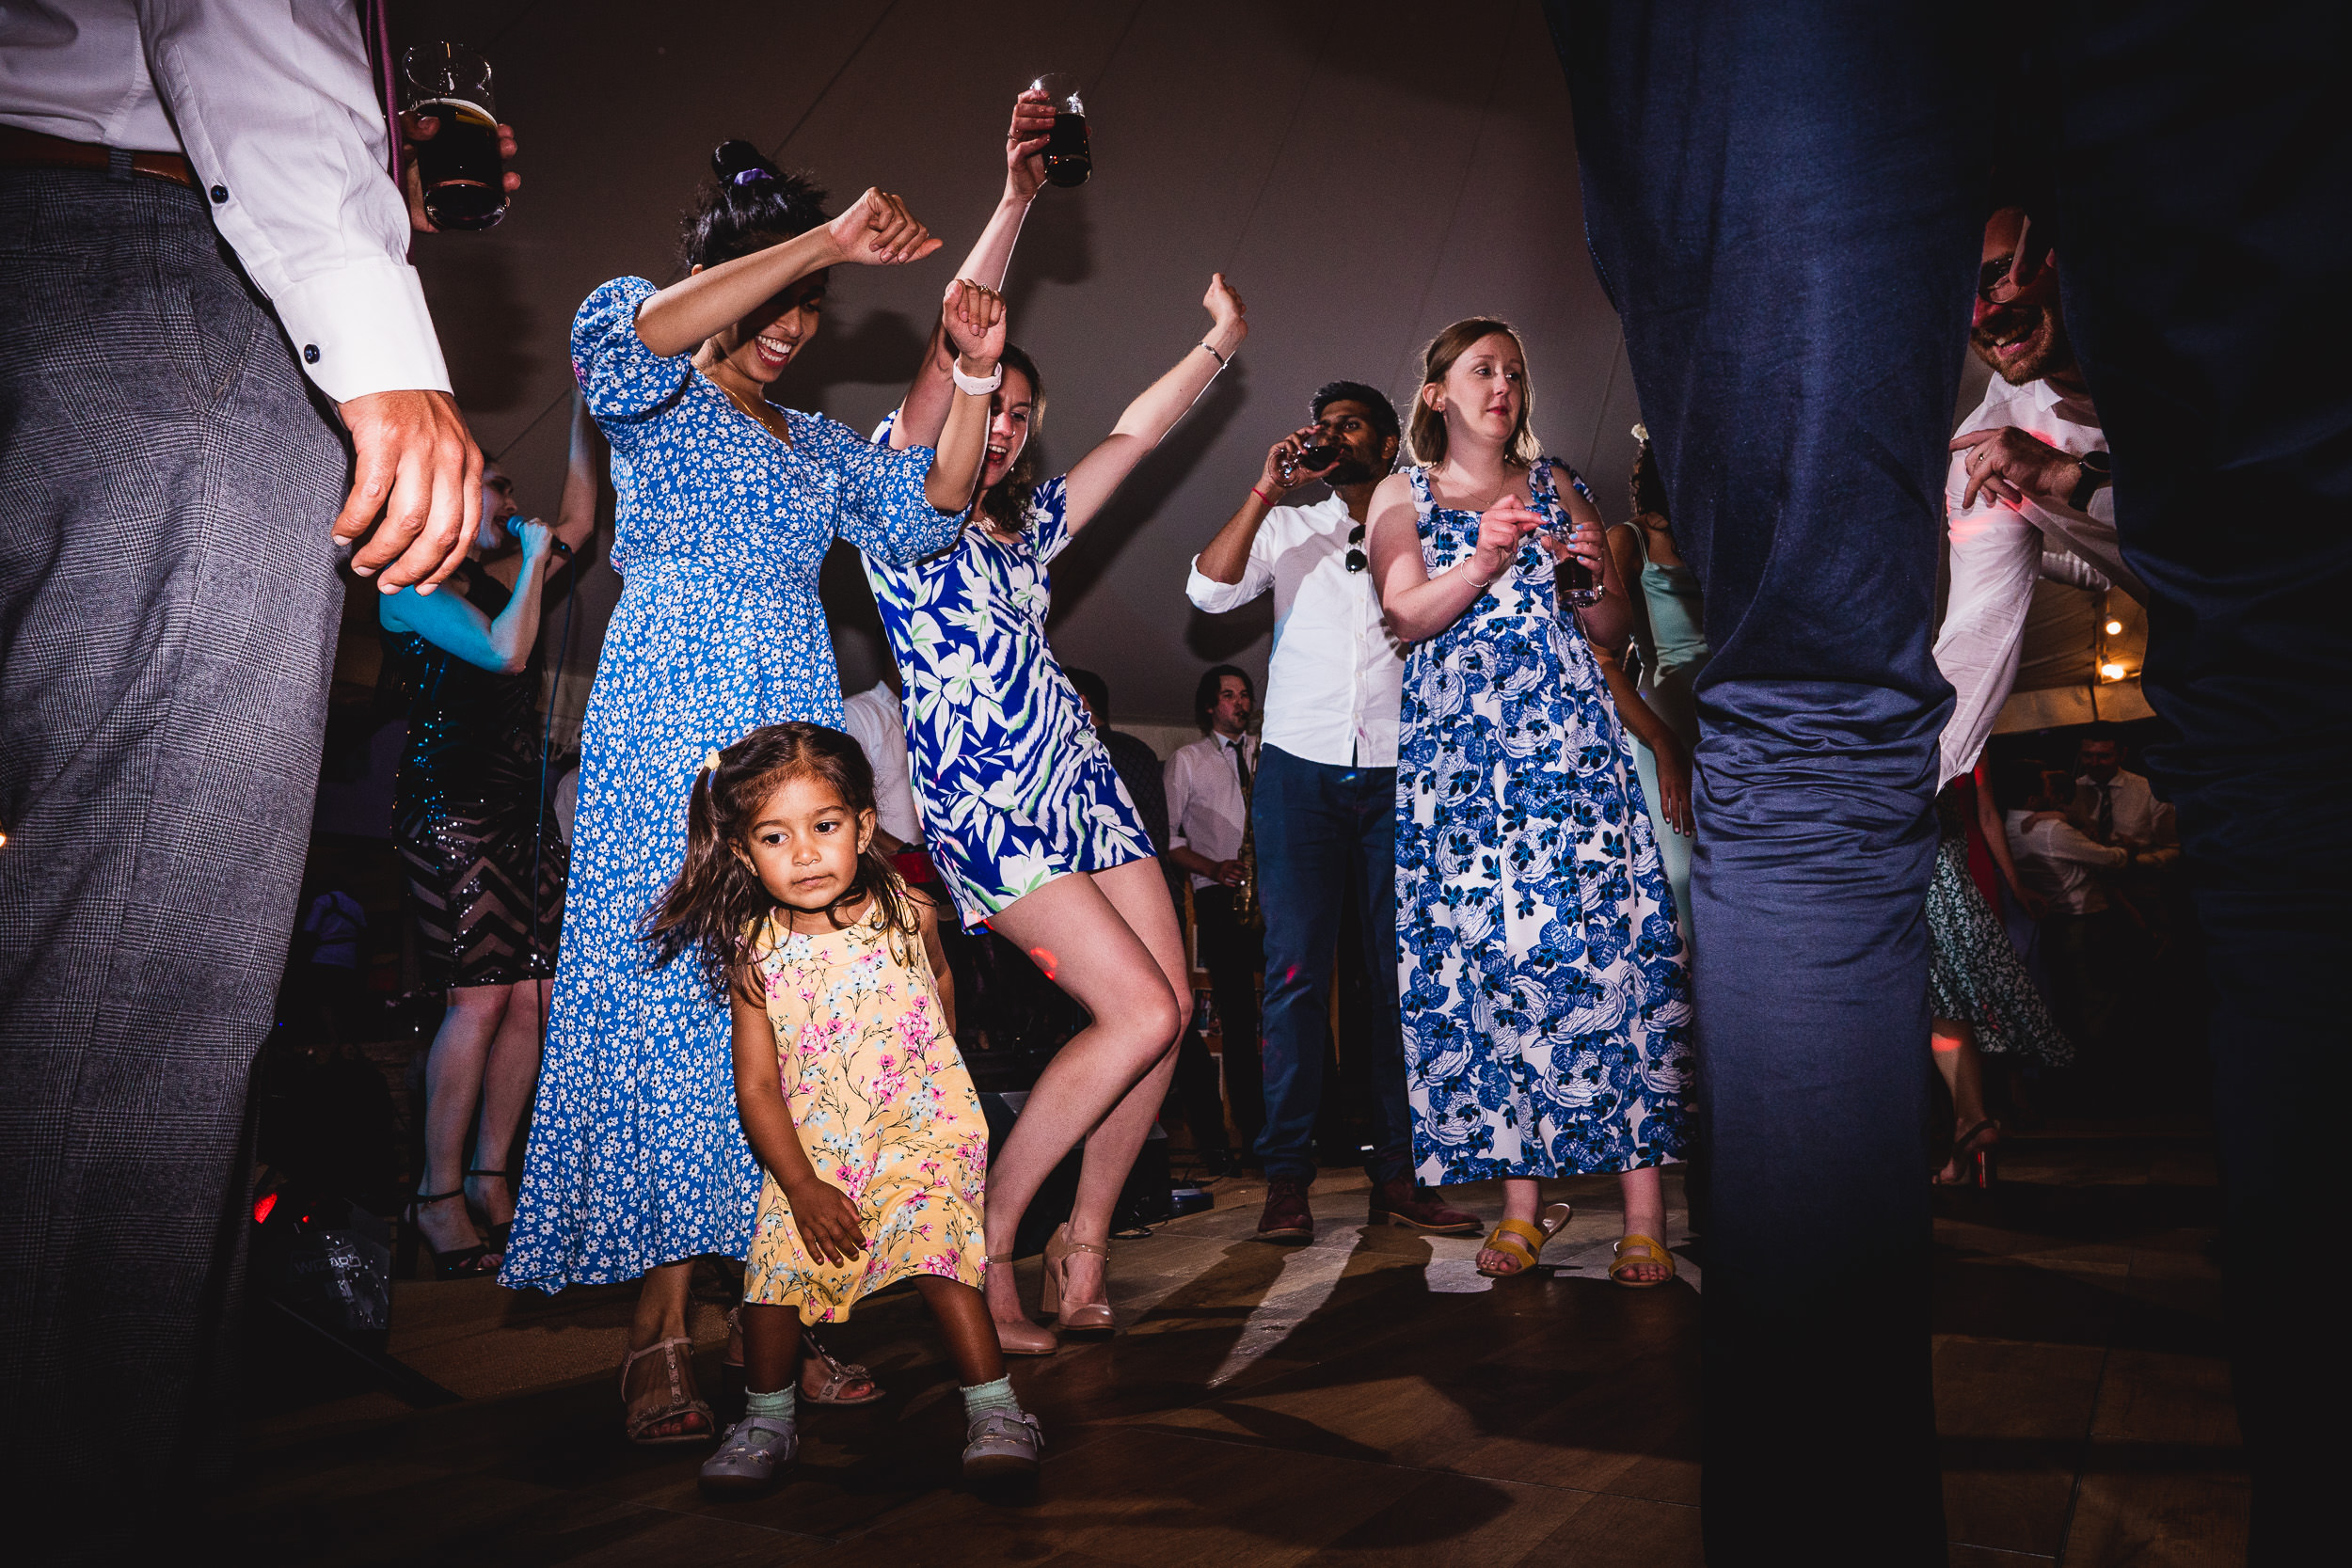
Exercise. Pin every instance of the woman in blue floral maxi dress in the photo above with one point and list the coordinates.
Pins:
(1542, 986)
(726, 504)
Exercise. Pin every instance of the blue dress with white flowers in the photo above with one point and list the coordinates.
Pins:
(1013, 785)
(636, 1158)
(1545, 1005)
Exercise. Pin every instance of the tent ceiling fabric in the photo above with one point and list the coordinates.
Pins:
(1362, 184)
(2058, 670)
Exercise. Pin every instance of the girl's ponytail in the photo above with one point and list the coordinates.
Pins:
(717, 901)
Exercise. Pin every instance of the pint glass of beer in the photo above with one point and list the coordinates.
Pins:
(1068, 159)
(464, 180)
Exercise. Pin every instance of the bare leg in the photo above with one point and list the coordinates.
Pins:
(1520, 1195)
(452, 1087)
(507, 1081)
(965, 1323)
(1139, 894)
(1075, 933)
(661, 1315)
(1953, 1044)
(771, 1346)
(1645, 1194)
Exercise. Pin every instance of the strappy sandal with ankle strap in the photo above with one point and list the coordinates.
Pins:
(498, 1234)
(839, 1374)
(1650, 1252)
(1090, 1319)
(1519, 1238)
(641, 1423)
(465, 1262)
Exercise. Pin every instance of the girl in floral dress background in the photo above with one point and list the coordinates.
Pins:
(1541, 976)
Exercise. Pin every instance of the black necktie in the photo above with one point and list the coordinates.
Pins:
(1241, 767)
(2106, 819)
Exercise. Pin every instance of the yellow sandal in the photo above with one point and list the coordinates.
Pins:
(1525, 1242)
(1651, 1253)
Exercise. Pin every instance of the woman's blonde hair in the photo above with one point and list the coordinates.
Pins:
(1425, 435)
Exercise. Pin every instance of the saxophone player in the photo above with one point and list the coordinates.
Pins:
(1208, 827)
(1324, 801)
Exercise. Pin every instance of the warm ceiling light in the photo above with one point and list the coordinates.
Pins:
(2115, 628)
(2111, 671)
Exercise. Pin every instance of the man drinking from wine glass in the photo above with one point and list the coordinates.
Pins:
(1324, 794)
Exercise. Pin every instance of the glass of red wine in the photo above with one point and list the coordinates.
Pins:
(1068, 159)
(458, 165)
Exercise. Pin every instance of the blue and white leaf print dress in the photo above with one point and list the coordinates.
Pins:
(1012, 784)
(1545, 1005)
(636, 1156)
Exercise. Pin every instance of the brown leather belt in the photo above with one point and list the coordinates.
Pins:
(22, 148)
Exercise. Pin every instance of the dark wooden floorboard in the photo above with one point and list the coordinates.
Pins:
(1366, 1401)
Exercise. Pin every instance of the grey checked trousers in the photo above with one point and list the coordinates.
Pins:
(167, 615)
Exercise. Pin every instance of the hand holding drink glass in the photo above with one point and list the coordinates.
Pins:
(1575, 550)
(1025, 141)
(457, 177)
(1300, 458)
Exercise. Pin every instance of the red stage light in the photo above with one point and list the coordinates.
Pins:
(262, 1207)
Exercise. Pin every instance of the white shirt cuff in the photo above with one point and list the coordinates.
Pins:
(364, 328)
(1212, 597)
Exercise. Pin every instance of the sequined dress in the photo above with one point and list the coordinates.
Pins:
(470, 814)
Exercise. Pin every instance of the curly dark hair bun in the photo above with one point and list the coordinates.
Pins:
(749, 205)
(733, 158)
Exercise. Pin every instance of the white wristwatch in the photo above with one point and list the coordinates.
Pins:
(973, 385)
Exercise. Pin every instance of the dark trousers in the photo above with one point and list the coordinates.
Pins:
(1326, 834)
(1786, 202)
(1231, 954)
(167, 618)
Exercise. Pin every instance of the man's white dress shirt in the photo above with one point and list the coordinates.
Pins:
(1998, 549)
(273, 107)
(1337, 677)
(1206, 809)
(880, 726)
(2058, 861)
(2133, 812)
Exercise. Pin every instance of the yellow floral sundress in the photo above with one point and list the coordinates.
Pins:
(885, 1110)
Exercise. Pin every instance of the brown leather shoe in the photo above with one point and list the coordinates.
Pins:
(1401, 1202)
(1287, 1219)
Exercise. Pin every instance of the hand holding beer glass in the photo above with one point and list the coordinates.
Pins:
(1575, 551)
(457, 176)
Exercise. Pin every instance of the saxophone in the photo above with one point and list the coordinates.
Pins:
(1248, 912)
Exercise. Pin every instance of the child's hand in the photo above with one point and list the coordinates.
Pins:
(827, 1221)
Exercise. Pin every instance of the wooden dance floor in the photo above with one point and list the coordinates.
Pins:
(1365, 1400)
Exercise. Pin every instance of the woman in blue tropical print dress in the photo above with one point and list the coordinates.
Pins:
(1027, 821)
(1543, 992)
(637, 1162)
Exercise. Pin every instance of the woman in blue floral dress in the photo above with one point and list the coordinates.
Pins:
(1542, 985)
(637, 1162)
(1026, 820)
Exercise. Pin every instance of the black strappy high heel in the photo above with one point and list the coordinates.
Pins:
(465, 1262)
(496, 1235)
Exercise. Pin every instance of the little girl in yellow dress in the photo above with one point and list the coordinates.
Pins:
(847, 1078)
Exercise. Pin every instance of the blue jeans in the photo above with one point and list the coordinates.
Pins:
(1786, 203)
(1326, 834)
